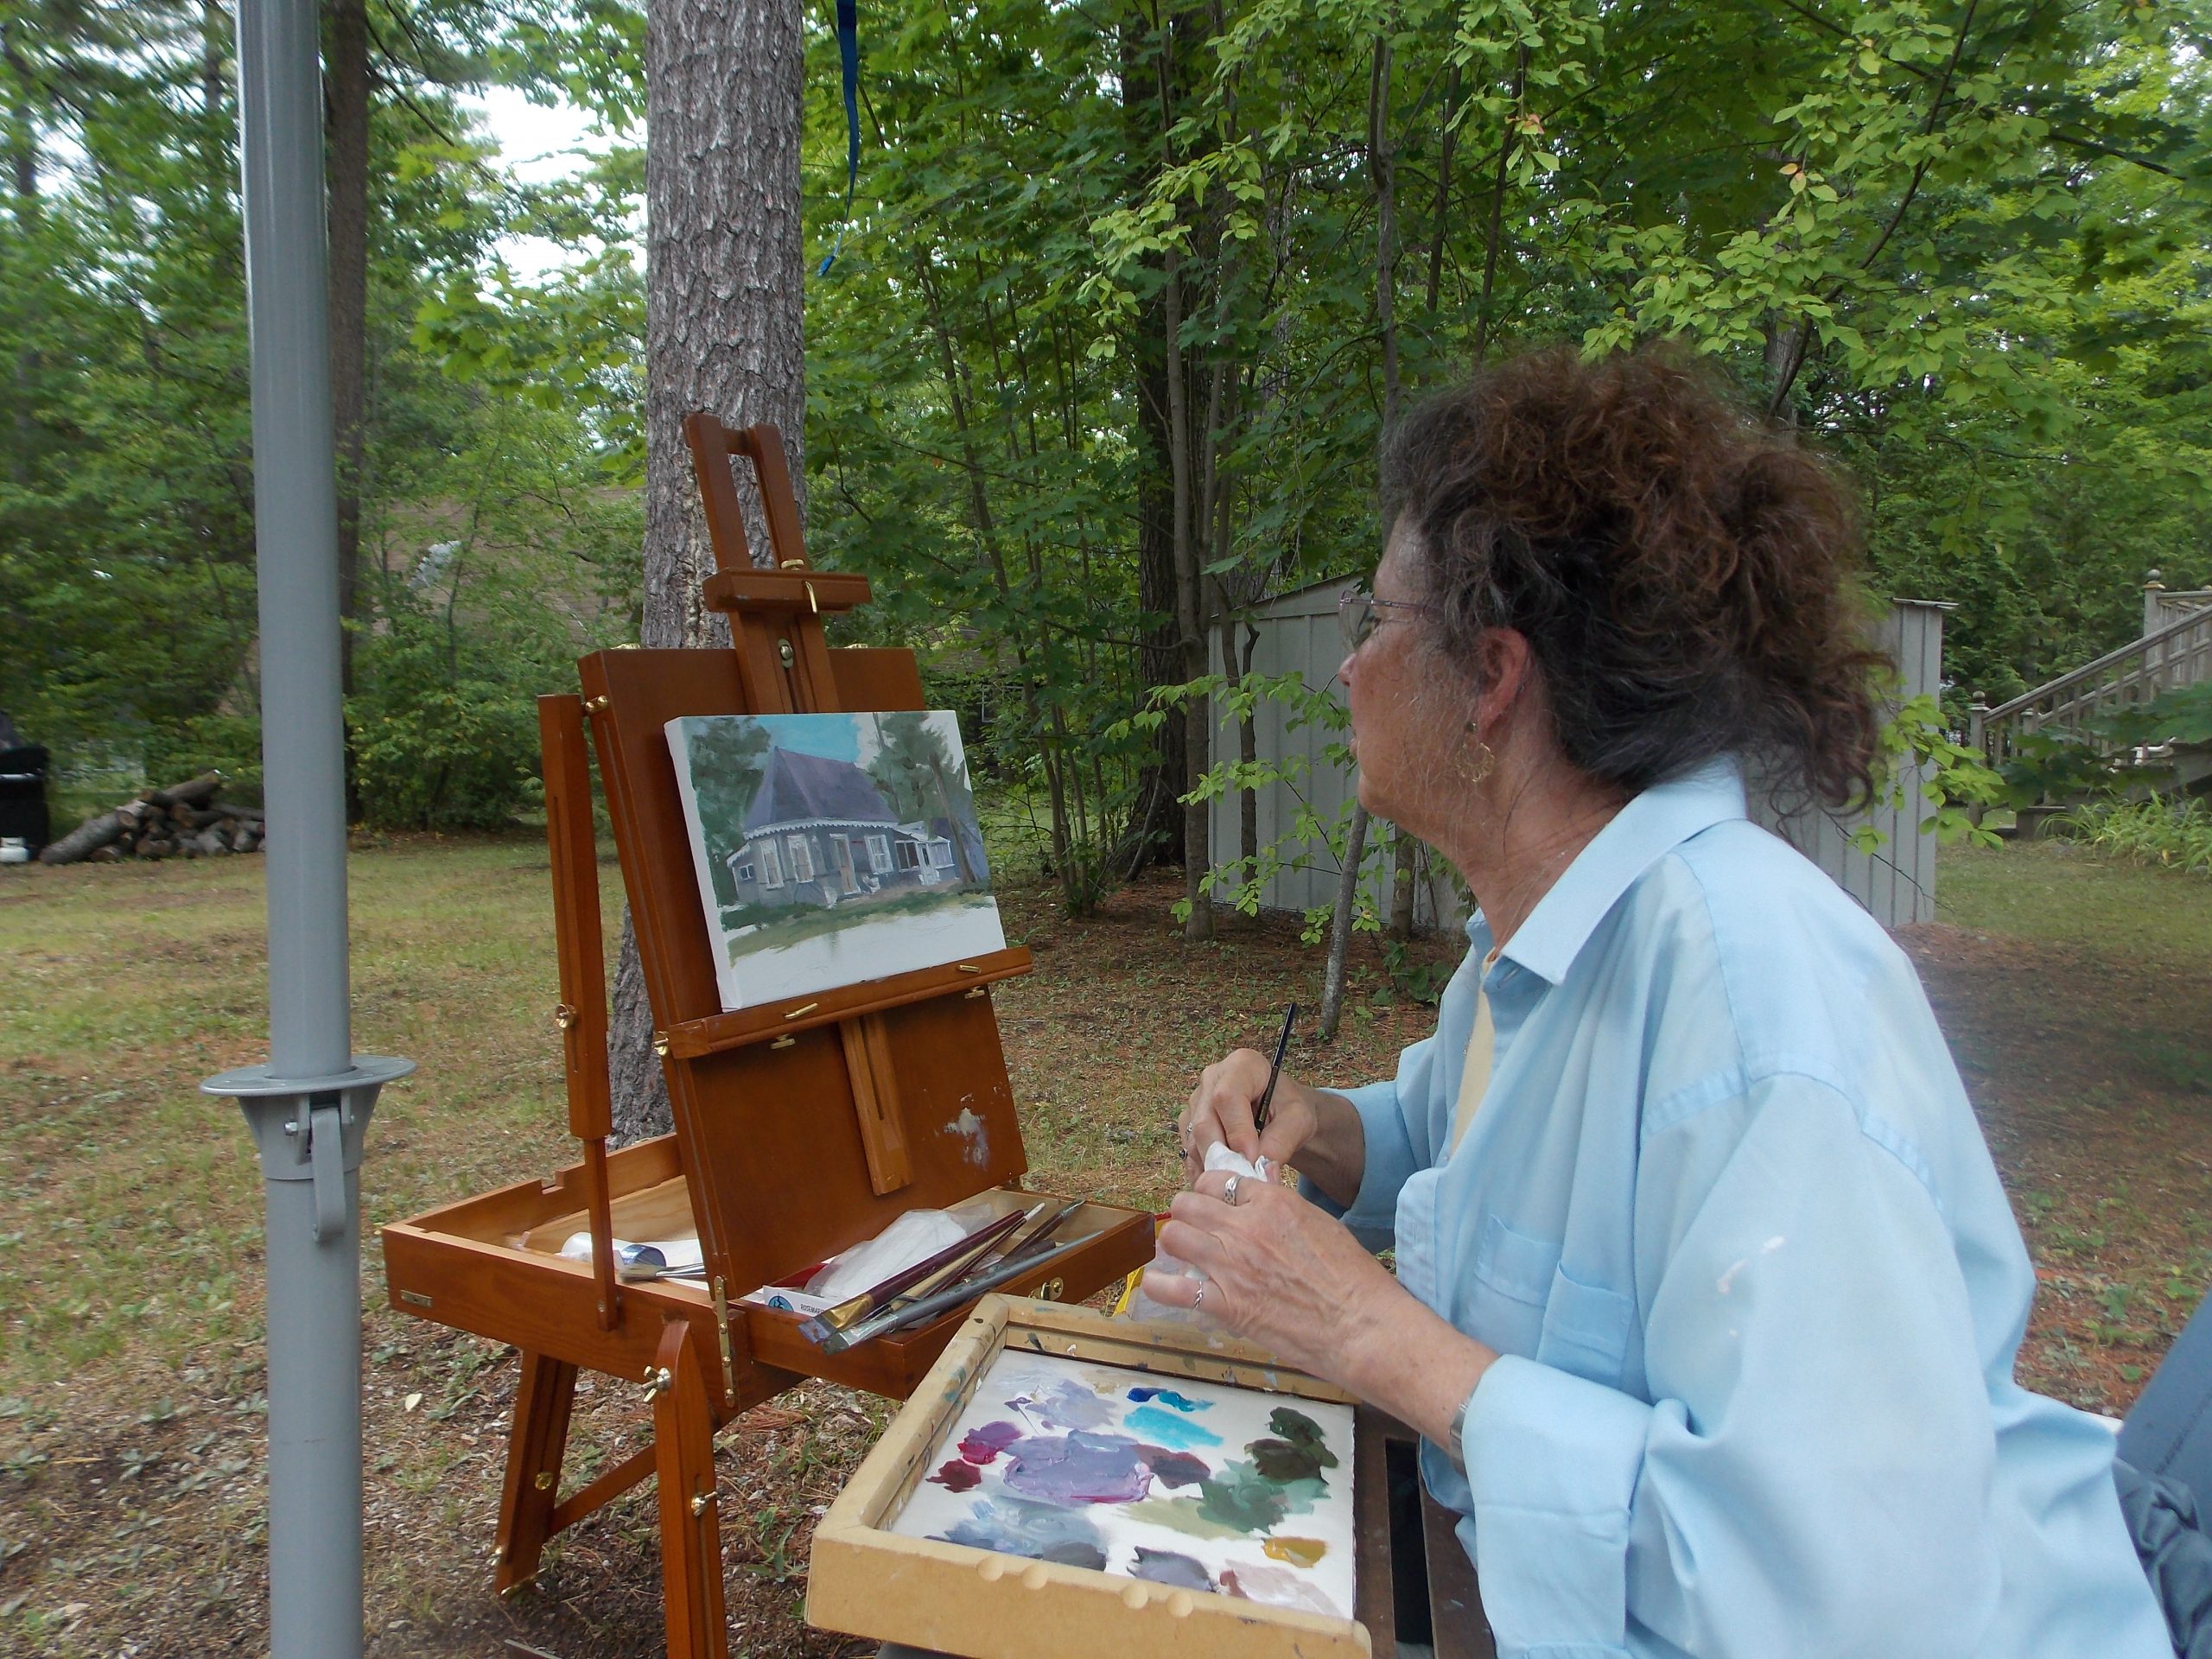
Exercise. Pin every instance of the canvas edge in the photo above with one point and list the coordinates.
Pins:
(679, 755)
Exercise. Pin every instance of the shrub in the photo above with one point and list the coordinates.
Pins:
(230, 744)
(2164, 829)
(444, 737)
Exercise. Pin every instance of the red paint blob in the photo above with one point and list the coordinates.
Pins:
(956, 1476)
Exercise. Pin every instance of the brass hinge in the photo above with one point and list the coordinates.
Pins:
(721, 1331)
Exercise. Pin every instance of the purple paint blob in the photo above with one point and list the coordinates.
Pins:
(956, 1476)
(983, 1446)
(1173, 1468)
(1078, 1468)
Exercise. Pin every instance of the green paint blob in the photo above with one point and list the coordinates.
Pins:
(1179, 1514)
(1243, 1498)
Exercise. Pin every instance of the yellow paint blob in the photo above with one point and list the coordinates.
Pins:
(1299, 1552)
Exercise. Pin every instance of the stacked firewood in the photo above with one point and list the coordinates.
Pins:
(184, 821)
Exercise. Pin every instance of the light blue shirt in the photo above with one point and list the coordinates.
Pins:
(1726, 1215)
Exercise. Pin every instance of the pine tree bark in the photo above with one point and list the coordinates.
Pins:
(724, 286)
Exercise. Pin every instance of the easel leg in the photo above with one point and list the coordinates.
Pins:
(691, 1526)
(544, 1395)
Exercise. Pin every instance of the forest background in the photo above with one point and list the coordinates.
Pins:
(1118, 310)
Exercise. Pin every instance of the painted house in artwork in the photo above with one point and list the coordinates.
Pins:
(819, 832)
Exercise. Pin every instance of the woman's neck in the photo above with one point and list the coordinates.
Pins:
(1522, 836)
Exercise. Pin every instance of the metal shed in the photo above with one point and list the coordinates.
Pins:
(1298, 633)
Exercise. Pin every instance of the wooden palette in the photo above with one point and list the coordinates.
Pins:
(868, 1580)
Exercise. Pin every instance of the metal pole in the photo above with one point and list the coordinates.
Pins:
(307, 1109)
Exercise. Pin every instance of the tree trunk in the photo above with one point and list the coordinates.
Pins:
(1497, 207)
(1154, 818)
(1405, 860)
(1190, 603)
(1333, 976)
(345, 109)
(1248, 751)
(1381, 175)
(724, 276)
(22, 166)
(87, 837)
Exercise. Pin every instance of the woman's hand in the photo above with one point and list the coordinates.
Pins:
(1278, 1271)
(1222, 1106)
(1284, 1275)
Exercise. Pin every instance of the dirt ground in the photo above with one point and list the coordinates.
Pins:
(131, 1505)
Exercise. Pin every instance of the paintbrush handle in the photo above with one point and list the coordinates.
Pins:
(1275, 1070)
(952, 1296)
(977, 1253)
(877, 1296)
(1029, 1237)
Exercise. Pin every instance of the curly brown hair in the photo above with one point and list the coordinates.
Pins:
(1681, 572)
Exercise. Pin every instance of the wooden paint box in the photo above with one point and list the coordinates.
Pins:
(868, 1580)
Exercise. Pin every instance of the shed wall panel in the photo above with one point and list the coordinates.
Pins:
(1896, 882)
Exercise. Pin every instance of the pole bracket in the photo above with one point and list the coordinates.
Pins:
(311, 1128)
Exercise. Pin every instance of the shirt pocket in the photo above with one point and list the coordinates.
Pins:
(1509, 1289)
(1523, 1301)
(1587, 1329)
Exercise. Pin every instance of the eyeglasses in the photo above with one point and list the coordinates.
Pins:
(1356, 615)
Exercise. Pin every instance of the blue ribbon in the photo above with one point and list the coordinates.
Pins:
(848, 61)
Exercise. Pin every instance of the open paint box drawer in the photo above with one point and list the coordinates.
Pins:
(1054, 1515)
(492, 1265)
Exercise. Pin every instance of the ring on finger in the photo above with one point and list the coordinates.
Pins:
(1199, 1296)
(1229, 1190)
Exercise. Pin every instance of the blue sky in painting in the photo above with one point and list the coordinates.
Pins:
(834, 737)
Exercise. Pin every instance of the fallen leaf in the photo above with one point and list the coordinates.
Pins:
(410, 1402)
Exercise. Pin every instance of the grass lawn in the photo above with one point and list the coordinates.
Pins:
(131, 1504)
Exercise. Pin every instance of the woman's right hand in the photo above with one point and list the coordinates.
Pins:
(1221, 1108)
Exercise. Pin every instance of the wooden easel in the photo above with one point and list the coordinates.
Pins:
(802, 1127)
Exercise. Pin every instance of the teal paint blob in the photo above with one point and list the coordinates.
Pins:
(1169, 1398)
(1164, 1428)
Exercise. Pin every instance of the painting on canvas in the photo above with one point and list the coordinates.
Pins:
(832, 848)
(1230, 1491)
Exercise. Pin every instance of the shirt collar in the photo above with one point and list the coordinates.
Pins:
(1650, 827)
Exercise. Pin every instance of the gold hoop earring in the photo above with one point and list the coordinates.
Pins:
(1475, 770)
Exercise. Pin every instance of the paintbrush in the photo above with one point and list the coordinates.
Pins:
(1034, 1235)
(898, 1319)
(1024, 1240)
(1275, 1070)
(954, 1257)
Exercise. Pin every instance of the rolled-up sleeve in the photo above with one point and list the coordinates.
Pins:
(1395, 1147)
(1811, 1473)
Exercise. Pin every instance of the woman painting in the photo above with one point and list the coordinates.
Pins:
(1707, 1295)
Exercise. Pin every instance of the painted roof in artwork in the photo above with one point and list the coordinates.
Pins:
(796, 787)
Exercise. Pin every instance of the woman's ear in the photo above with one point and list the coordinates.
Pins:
(1503, 666)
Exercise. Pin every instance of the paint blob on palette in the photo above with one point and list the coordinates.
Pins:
(1198, 1485)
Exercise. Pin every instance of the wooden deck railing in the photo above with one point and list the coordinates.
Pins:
(2177, 653)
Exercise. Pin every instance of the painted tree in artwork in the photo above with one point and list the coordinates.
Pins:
(919, 775)
(724, 286)
(729, 758)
